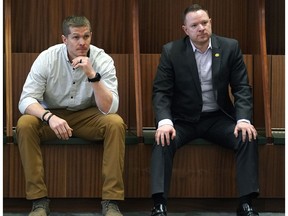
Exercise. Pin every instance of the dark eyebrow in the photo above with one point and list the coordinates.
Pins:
(74, 34)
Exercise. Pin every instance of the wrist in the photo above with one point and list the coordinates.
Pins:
(91, 75)
(96, 78)
(48, 119)
(44, 115)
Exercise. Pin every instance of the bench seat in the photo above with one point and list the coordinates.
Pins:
(278, 137)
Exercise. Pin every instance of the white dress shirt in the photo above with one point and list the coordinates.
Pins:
(54, 83)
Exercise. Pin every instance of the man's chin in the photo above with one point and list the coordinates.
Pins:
(203, 39)
(82, 53)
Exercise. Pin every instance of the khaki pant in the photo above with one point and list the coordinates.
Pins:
(89, 124)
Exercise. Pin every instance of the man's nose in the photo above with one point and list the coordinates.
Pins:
(81, 41)
(201, 27)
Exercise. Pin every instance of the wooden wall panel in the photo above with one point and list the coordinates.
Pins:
(125, 90)
(38, 23)
(55, 159)
(278, 91)
(237, 19)
(132, 100)
(16, 175)
(259, 120)
(275, 22)
(200, 171)
(132, 177)
(22, 63)
(6, 170)
(84, 171)
(149, 63)
(272, 171)
(161, 21)
(276, 66)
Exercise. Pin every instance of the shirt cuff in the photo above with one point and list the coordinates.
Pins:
(165, 122)
(243, 120)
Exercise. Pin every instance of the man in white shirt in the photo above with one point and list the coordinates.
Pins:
(72, 90)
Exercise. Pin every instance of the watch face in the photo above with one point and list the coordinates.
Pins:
(96, 78)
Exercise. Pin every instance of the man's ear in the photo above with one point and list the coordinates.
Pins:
(184, 29)
(64, 39)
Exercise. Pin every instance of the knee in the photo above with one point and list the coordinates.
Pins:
(253, 144)
(26, 123)
(114, 121)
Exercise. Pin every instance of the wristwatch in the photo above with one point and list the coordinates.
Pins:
(95, 79)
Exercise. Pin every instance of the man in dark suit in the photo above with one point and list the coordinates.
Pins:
(191, 100)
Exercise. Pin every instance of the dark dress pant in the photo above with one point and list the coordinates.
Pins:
(219, 129)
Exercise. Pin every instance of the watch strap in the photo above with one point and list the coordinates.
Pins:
(96, 78)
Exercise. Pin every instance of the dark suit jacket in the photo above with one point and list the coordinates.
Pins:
(177, 91)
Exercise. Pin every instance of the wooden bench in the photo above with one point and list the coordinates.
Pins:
(201, 169)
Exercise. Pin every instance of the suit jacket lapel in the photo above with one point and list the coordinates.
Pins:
(190, 58)
(216, 61)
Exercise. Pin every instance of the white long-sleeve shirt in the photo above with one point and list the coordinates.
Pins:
(54, 83)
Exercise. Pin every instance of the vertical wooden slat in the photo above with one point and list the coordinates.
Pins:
(277, 92)
(8, 71)
(137, 74)
(264, 69)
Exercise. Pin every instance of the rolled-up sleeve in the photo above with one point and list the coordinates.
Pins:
(34, 86)
(105, 66)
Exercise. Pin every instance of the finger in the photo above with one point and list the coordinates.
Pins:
(66, 135)
(236, 132)
(252, 133)
(75, 63)
(162, 139)
(58, 134)
(255, 134)
(167, 136)
(173, 135)
(63, 133)
(243, 135)
(249, 135)
(157, 137)
(69, 130)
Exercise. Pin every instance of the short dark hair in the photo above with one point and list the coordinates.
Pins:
(74, 21)
(192, 8)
